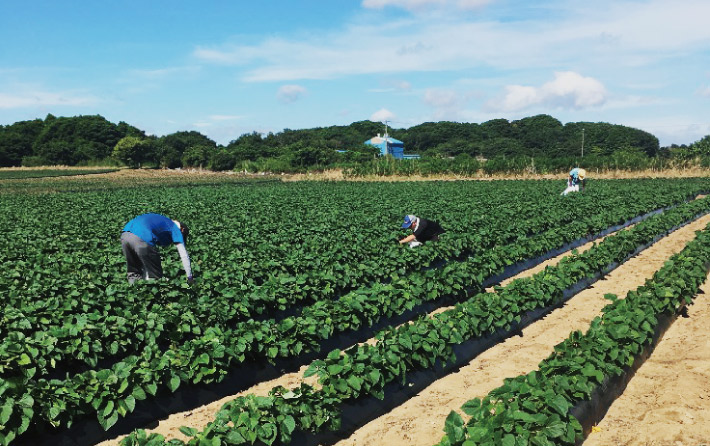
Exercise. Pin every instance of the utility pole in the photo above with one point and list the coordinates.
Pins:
(582, 142)
(387, 142)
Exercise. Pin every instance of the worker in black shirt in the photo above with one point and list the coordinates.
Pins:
(422, 230)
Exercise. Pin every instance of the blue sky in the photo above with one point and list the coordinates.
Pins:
(225, 68)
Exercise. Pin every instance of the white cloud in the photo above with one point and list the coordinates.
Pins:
(44, 98)
(406, 4)
(672, 129)
(392, 86)
(382, 115)
(441, 98)
(403, 85)
(472, 4)
(569, 90)
(163, 73)
(606, 36)
(704, 92)
(448, 104)
(290, 93)
(417, 5)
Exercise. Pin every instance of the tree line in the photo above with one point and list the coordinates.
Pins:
(93, 140)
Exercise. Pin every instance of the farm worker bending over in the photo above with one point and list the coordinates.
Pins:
(576, 177)
(139, 239)
(423, 231)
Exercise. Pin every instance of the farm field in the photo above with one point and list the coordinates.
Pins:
(287, 272)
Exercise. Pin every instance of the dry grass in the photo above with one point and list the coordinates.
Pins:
(337, 175)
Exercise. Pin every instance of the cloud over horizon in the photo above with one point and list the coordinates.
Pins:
(290, 93)
(568, 90)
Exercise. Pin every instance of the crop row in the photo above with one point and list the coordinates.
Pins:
(367, 369)
(280, 268)
(538, 408)
(88, 337)
(208, 354)
(112, 392)
(100, 324)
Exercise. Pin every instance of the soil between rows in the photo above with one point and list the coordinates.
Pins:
(675, 395)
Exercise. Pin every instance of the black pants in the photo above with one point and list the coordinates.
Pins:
(142, 260)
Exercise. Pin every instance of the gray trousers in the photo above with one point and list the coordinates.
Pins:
(142, 260)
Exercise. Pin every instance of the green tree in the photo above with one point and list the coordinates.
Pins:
(133, 150)
(701, 147)
(306, 156)
(16, 141)
(56, 152)
(222, 160)
(196, 156)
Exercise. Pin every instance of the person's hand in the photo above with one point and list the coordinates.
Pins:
(190, 279)
(396, 240)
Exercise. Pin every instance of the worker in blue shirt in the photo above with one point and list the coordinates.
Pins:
(139, 242)
(576, 178)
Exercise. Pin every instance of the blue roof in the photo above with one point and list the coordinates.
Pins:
(379, 140)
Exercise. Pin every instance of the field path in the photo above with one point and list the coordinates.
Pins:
(667, 403)
(420, 420)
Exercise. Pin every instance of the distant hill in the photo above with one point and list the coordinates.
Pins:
(84, 139)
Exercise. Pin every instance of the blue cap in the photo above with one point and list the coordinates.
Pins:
(408, 220)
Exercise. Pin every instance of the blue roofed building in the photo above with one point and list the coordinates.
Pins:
(390, 146)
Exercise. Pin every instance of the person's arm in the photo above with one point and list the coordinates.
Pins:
(185, 260)
(407, 239)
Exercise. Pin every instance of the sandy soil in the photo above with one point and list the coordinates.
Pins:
(667, 403)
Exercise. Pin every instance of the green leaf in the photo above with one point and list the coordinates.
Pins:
(107, 423)
(310, 371)
(6, 412)
(288, 424)
(453, 427)
(54, 412)
(108, 408)
(188, 431)
(334, 369)
(523, 416)
(559, 404)
(234, 437)
(130, 402)
(355, 382)
(138, 393)
(470, 407)
(555, 429)
(151, 388)
(174, 383)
